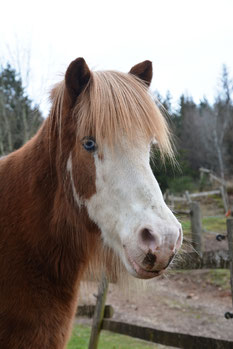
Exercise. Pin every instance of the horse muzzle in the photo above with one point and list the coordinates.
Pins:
(152, 254)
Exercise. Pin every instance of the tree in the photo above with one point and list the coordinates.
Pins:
(222, 118)
(217, 126)
(19, 120)
(204, 131)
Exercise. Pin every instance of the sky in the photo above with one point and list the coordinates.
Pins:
(187, 41)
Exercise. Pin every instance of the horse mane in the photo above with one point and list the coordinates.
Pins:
(115, 104)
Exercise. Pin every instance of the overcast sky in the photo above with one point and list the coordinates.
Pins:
(187, 41)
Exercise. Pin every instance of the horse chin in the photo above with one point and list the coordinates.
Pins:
(137, 271)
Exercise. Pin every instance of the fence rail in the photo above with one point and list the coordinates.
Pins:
(209, 260)
(193, 195)
(174, 339)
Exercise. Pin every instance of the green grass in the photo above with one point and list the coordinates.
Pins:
(108, 340)
(186, 225)
(215, 224)
(177, 185)
(220, 278)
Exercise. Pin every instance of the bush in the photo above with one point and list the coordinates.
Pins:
(180, 184)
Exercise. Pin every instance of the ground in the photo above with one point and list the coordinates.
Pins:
(185, 302)
(191, 302)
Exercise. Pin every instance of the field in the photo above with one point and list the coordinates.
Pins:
(210, 224)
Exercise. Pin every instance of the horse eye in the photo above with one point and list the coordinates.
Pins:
(89, 144)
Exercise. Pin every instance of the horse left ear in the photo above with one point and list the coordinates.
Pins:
(143, 71)
(77, 77)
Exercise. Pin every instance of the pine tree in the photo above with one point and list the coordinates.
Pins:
(19, 120)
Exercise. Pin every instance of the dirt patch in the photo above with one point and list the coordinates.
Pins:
(183, 302)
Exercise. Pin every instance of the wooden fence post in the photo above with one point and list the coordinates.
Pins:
(99, 313)
(230, 245)
(224, 198)
(187, 196)
(196, 226)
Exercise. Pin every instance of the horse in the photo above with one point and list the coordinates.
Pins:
(80, 193)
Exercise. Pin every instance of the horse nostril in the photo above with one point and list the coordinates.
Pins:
(148, 240)
(147, 236)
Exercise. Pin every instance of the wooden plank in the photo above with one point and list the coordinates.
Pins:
(176, 198)
(202, 169)
(181, 212)
(205, 193)
(209, 260)
(230, 245)
(99, 313)
(89, 310)
(196, 226)
(217, 179)
(174, 339)
(193, 195)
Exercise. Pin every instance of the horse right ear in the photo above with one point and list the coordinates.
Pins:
(77, 77)
(143, 71)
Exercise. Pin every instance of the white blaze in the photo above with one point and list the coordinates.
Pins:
(77, 199)
(128, 198)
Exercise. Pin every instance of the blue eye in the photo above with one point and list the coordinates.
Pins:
(89, 144)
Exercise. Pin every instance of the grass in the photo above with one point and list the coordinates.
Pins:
(220, 278)
(186, 225)
(108, 340)
(215, 224)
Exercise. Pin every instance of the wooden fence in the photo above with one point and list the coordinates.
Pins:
(174, 339)
(188, 197)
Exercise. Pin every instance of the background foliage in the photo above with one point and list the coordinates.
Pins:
(203, 134)
(19, 119)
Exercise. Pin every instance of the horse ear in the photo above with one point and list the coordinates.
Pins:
(143, 71)
(77, 77)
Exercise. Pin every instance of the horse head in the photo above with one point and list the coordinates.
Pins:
(117, 122)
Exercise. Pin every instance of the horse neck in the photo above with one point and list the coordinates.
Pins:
(42, 220)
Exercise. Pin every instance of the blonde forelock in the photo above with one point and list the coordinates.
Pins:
(116, 104)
